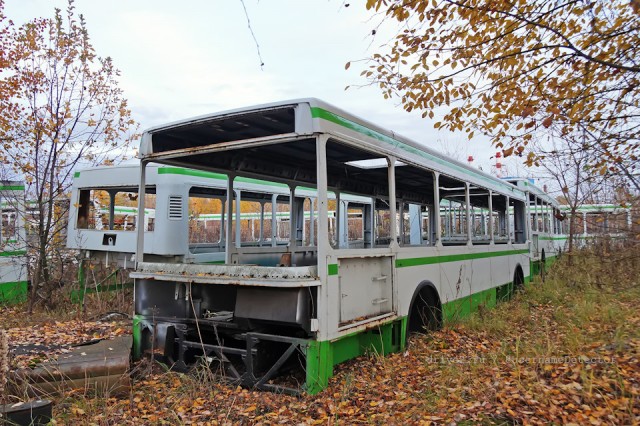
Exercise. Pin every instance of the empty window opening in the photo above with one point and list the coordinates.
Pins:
(111, 209)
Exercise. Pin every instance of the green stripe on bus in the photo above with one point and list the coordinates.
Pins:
(332, 268)
(211, 175)
(553, 238)
(12, 188)
(417, 261)
(13, 292)
(190, 172)
(13, 253)
(317, 112)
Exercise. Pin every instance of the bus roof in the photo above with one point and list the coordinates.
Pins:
(295, 121)
(528, 185)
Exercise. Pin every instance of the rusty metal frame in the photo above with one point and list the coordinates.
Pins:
(248, 355)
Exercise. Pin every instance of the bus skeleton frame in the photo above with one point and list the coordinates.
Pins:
(92, 228)
(330, 302)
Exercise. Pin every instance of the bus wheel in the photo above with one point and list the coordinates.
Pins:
(426, 310)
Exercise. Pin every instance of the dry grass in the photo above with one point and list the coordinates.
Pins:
(562, 351)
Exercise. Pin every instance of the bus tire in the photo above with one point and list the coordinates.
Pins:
(425, 312)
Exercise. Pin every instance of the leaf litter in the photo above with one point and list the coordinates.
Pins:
(546, 366)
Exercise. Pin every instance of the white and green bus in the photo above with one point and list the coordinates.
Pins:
(592, 220)
(103, 214)
(547, 227)
(317, 297)
(13, 253)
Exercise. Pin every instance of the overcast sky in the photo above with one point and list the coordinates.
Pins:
(185, 58)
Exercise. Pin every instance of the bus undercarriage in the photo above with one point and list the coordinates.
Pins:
(252, 322)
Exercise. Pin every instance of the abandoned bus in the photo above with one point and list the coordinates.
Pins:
(104, 210)
(320, 298)
(546, 224)
(13, 254)
(595, 221)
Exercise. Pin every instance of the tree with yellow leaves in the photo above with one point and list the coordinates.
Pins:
(518, 69)
(60, 108)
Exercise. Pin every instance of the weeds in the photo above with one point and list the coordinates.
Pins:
(561, 351)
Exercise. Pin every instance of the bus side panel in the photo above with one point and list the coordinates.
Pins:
(462, 285)
(13, 279)
(466, 283)
(408, 280)
(172, 220)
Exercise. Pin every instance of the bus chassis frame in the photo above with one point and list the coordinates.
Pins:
(249, 378)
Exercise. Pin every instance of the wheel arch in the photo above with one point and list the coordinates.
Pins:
(425, 295)
(518, 277)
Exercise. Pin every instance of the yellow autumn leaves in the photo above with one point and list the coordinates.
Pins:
(516, 70)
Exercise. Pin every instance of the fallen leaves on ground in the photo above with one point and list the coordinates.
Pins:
(454, 375)
(563, 356)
